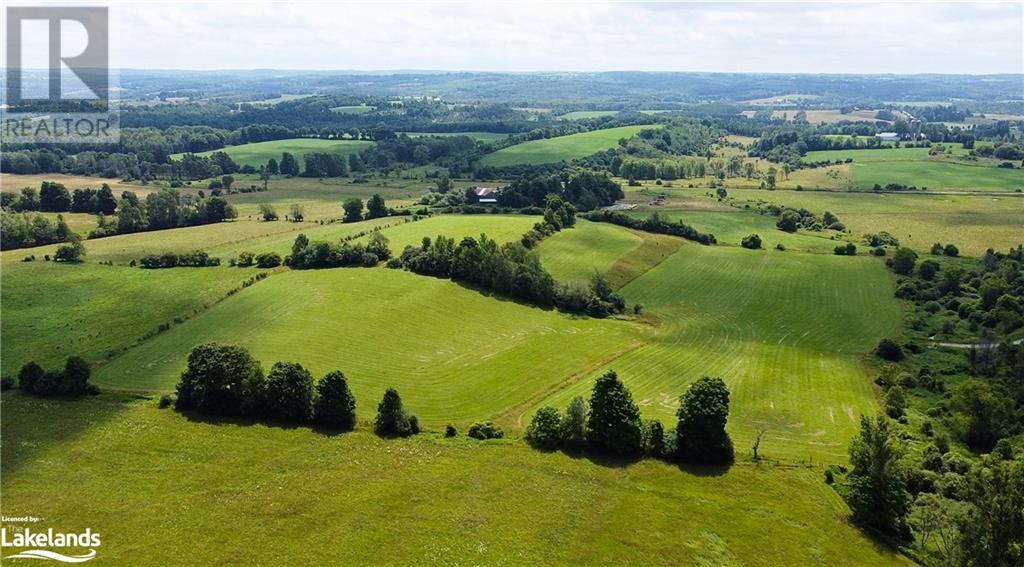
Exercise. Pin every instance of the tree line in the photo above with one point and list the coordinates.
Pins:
(611, 423)
(654, 223)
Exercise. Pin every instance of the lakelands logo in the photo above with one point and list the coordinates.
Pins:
(58, 76)
(50, 538)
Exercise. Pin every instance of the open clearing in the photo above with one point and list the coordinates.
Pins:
(583, 114)
(271, 495)
(482, 136)
(258, 153)
(562, 148)
(354, 109)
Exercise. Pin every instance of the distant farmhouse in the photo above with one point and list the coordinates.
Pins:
(486, 195)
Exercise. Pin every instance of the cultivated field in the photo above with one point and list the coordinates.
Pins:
(582, 114)
(354, 109)
(562, 148)
(257, 154)
(482, 136)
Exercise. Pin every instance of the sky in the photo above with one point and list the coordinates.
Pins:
(795, 37)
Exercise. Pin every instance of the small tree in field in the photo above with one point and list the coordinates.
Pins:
(545, 429)
(614, 423)
(221, 380)
(375, 207)
(335, 404)
(290, 392)
(392, 419)
(353, 210)
(703, 412)
(574, 424)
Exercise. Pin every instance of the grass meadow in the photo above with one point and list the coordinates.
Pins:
(149, 479)
(561, 148)
(788, 331)
(258, 153)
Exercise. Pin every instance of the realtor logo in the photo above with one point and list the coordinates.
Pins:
(58, 76)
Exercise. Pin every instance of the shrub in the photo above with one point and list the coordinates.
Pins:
(268, 260)
(289, 392)
(753, 242)
(6, 383)
(392, 419)
(703, 413)
(29, 374)
(335, 405)
(951, 251)
(485, 430)
(450, 431)
(245, 259)
(889, 350)
(574, 423)
(165, 402)
(654, 438)
(221, 380)
(545, 429)
(614, 422)
(850, 249)
(75, 379)
(903, 261)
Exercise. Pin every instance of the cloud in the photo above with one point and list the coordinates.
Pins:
(690, 36)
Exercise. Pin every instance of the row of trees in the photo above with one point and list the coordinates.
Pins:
(307, 255)
(55, 198)
(225, 380)
(611, 423)
(655, 223)
(21, 230)
(166, 208)
(72, 381)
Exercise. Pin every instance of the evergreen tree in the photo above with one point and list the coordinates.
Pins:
(392, 419)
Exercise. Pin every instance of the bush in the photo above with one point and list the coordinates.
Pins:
(71, 382)
(335, 406)
(289, 392)
(574, 423)
(450, 431)
(545, 429)
(268, 260)
(654, 438)
(889, 350)
(614, 423)
(29, 374)
(752, 242)
(165, 402)
(6, 383)
(485, 430)
(850, 249)
(392, 419)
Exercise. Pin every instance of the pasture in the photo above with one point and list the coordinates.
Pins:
(454, 354)
(584, 114)
(914, 166)
(113, 307)
(354, 109)
(974, 222)
(561, 148)
(258, 153)
(253, 493)
(787, 331)
(481, 136)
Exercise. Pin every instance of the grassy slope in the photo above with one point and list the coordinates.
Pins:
(258, 153)
(786, 330)
(111, 307)
(561, 148)
(147, 480)
(575, 254)
(453, 353)
(972, 222)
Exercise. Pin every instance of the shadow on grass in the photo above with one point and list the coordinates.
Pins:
(199, 417)
(32, 425)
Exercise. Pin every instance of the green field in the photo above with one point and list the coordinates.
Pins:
(788, 331)
(354, 109)
(913, 166)
(583, 114)
(43, 299)
(148, 480)
(482, 136)
(562, 148)
(974, 222)
(257, 154)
